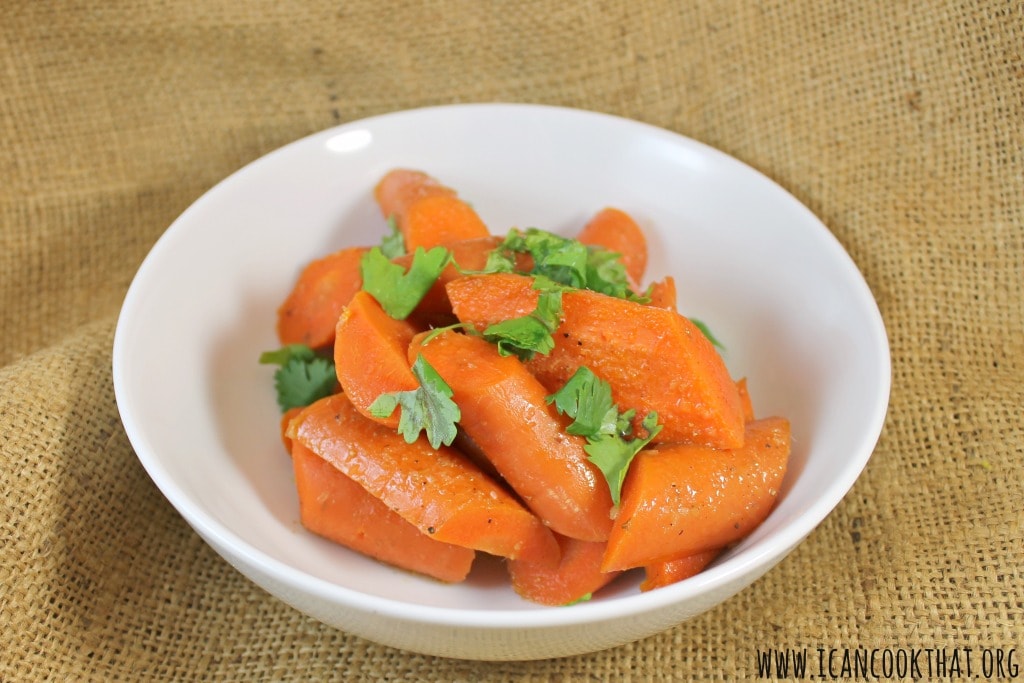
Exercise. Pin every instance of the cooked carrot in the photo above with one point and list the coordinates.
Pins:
(426, 212)
(440, 492)
(685, 499)
(370, 355)
(663, 293)
(748, 406)
(654, 359)
(505, 413)
(575, 577)
(616, 231)
(310, 312)
(337, 508)
(673, 570)
(286, 420)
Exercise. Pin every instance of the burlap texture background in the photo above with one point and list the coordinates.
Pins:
(901, 124)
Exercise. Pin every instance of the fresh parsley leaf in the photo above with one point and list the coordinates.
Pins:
(302, 376)
(399, 291)
(707, 333)
(428, 408)
(587, 399)
(583, 598)
(393, 243)
(531, 333)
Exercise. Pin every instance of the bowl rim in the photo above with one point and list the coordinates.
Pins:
(716, 577)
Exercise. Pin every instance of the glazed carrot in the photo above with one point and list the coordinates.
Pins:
(673, 570)
(426, 212)
(685, 499)
(337, 508)
(310, 312)
(654, 359)
(400, 188)
(286, 420)
(616, 231)
(505, 413)
(440, 492)
(748, 406)
(575, 577)
(370, 355)
(663, 293)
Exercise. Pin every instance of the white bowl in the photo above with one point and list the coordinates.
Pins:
(753, 263)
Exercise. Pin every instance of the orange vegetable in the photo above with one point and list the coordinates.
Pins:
(427, 213)
(310, 312)
(745, 402)
(440, 492)
(505, 413)
(370, 355)
(616, 231)
(663, 293)
(684, 499)
(337, 508)
(654, 359)
(577, 575)
(286, 421)
(672, 570)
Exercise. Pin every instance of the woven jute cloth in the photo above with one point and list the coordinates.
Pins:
(900, 124)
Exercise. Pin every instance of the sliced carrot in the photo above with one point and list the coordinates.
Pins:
(370, 355)
(654, 359)
(440, 492)
(673, 570)
(505, 413)
(426, 212)
(685, 499)
(663, 293)
(575, 577)
(616, 231)
(337, 508)
(748, 406)
(310, 312)
(400, 188)
(286, 420)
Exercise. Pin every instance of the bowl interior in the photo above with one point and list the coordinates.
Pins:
(766, 276)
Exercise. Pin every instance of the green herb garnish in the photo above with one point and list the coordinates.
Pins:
(302, 376)
(707, 333)
(531, 333)
(399, 291)
(393, 243)
(427, 408)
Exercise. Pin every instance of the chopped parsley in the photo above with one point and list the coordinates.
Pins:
(399, 291)
(428, 408)
(531, 333)
(393, 243)
(707, 333)
(587, 399)
(302, 376)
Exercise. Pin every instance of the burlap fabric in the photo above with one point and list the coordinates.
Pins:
(900, 124)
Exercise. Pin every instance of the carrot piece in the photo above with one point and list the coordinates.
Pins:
(654, 359)
(286, 421)
(616, 231)
(505, 413)
(438, 219)
(370, 355)
(426, 212)
(663, 293)
(577, 575)
(748, 405)
(673, 570)
(337, 508)
(400, 188)
(681, 499)
(310, 312)
(440, 492)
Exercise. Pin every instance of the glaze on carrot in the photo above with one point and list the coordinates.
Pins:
(745, 402)
(505, 413)
(335, 507)
(440, 492)
(370, 355)
(685, 499)
(673, 570)
(654, 359)
(575, 577)
(615, 230)
(310, 312)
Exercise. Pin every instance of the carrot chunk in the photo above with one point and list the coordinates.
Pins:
(401, 188)
(673, 570)
(654, 358)
(426, 212)
(663, 293)
(575, 577)
(440, 492)
(335, 507)
(505, 413)
(681, 499)
(310, 312)
(370, 355)
(615, 230)
(745, 402)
